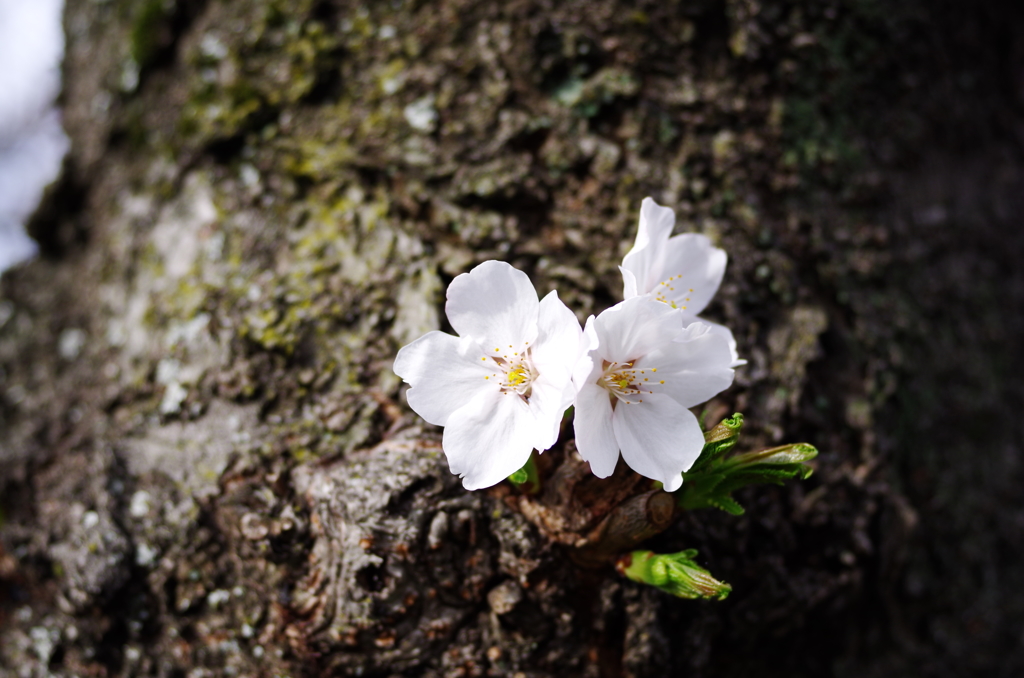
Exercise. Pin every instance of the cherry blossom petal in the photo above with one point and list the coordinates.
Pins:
(693, 370)
(489, 439)
(595, 437)
(691, 271)
(630, 288)
(659, 438)
(557, 346)
(634, 327)
(645, 259)
(725, 333)
(548, 402)
(494, 303)
(445, 373)
(583, 370)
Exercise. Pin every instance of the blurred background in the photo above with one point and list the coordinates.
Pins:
(207, 464)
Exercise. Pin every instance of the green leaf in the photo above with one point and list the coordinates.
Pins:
(796, 453)
(527, 479)
(727, 504)
(719, 440)
(715, 475)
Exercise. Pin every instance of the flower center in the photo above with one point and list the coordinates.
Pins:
(517, 376)
(516, 371)
(626, 383)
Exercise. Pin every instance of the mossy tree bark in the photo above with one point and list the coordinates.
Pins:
(207, 466)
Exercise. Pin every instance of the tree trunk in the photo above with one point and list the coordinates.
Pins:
(208, 468)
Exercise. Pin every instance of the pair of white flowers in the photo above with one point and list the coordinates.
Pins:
(501, 387)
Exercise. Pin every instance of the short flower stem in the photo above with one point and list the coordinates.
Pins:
(631, 522)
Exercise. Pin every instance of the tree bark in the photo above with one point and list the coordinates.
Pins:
(207, 466)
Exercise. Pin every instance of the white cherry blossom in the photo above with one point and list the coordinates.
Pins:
(683, 271)
(641, 371)
(501, 387)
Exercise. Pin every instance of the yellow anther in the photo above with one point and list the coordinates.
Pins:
(517, 376)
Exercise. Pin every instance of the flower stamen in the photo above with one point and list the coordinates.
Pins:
(517, 373)
(516, 377)
(660, 294)
(623, 384)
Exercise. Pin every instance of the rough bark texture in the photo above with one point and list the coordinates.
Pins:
(207, 466)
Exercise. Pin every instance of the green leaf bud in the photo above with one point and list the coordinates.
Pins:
(674, 573)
